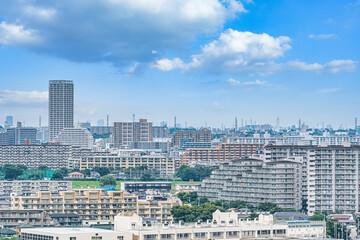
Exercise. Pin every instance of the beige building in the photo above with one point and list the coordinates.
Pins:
(94, 204)
(165, 165)
(224, 152)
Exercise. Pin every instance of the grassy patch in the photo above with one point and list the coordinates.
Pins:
(94, 184)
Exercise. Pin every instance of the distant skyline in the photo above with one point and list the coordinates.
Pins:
(199, 60)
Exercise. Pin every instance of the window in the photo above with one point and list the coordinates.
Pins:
(96, 238)
(120, 238)
(72, 238)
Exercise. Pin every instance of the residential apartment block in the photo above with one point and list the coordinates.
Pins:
(330, 174)
(26, 188)
(165, 164)
(94, 204)
(224, 152)
(256, 181)
(195, 136)
(33, 156)
(128, 132)
(77, 137)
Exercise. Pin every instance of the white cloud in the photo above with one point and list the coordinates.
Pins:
(38, 12)
(234, 82)
(328, 90)
(236, 51)
(246, 52)
(322, 36)
(166, 65)
(12, 34)
(22, 97)
(333, 66)
(121, 32)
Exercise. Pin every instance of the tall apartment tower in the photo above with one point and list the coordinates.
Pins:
(61, 106)
(126, 133)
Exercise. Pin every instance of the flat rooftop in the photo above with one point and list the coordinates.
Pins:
(65, 230)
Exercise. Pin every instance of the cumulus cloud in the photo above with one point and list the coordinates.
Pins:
(13, 34)
(118, 31)
(22, 97)
(246, 52)
(322, 36)
(234, 82)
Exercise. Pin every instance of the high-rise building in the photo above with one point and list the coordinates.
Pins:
(330, 175)
(128, 132)
(9, 120)
(19, 135)
(61, 106)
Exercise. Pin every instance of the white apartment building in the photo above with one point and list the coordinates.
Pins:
(61, 106)
(302, 139)
(130, 226)
(256, 181)
(330, 174)
(77, 137)
(26, 188)
(223, 226)
(33, 156)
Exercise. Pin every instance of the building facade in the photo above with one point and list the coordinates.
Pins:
(94, 204)
(224, 152)
(33, 156)
(21, 135)
(128, 132)
(330, 174)
(61, 106)
(223, 226)
(255, 181)
(26, 188)
(77, 137)
(165, 165)
(195, 136)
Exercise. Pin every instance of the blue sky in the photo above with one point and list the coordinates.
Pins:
(200, 60)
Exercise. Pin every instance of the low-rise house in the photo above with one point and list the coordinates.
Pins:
(76, 175)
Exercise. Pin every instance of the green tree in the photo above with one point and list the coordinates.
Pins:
(22, 167)
(252, 216)
(12, 172)
(336, 230)
(102, 170)
(317, 217)
(58, 175)
(34, 176)
(194, 213)
(43, 168)
(187, 173)
(146, 177)
(86, 172)
(304, 205)
(266, 206)
(107, 180)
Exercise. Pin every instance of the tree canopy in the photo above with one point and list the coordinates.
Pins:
(187, 173)
(107, 180)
